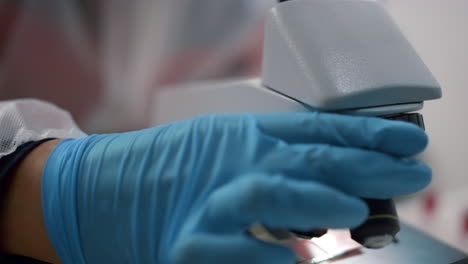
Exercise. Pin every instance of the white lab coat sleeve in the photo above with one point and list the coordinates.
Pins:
(26, 120)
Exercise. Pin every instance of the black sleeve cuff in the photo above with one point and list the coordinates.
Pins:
(9, 162)
(10, 259)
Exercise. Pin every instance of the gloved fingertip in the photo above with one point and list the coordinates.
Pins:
(417, 139)
(415, 177)
(400, 138)
(422, 178)
(358, 212)
(339, 210)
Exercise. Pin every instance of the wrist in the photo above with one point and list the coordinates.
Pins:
(22, 226)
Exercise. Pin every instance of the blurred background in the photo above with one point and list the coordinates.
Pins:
(438, 31)
(104, 61)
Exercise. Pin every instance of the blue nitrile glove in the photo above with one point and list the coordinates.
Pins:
(186, 192)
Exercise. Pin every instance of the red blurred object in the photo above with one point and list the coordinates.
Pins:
(465, 224)
(430, 202)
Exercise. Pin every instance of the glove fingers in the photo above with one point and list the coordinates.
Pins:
(230, 249)
(393, 137)
(280, 202)
(358, 172)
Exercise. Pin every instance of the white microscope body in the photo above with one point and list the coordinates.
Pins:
(342, 56)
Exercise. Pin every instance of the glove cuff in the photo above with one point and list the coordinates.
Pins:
(59, 199)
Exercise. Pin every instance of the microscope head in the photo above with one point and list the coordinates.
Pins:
(344, 56)
(348, 57)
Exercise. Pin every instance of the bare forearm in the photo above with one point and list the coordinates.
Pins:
(21, 225)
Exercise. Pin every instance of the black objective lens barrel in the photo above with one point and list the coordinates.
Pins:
(381, 226)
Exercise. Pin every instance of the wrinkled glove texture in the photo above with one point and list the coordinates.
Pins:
(186, 192)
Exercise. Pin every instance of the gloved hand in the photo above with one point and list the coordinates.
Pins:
(187, 192)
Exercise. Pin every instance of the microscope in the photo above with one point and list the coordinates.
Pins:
(340, 56)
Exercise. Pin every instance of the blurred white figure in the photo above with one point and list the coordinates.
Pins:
(102, 59)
